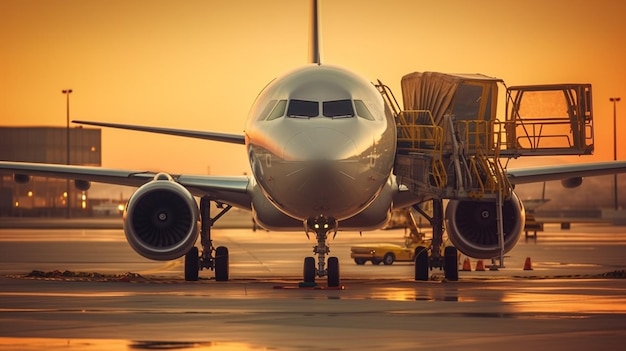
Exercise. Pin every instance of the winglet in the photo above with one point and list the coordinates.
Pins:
(314, 48)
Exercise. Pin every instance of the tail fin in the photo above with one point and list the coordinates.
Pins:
(314, 49)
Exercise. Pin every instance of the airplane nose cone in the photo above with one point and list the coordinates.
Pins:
(319, 144)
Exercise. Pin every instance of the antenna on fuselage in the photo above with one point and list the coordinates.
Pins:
(314, 44)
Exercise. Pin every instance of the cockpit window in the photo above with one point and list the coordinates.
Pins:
(278, 111)
(267, 110)
(362, 110)
(338, 109)
(303, 108)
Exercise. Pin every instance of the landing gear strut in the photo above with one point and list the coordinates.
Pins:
(448, 261)
(211, 258)
(321, 226)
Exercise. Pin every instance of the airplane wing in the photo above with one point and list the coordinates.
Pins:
(559, 172)
(231, 190)
(223, 137)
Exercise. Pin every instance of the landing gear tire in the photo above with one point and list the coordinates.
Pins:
(388, 259)
(309, 270)
(214, 259)
(333, 272)
(221, 264)
(192, 265)
(450, 264)
(359, 261)
(421, 263)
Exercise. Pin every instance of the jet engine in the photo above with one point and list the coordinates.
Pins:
(161, 219)
(571, 183)
(473, 226)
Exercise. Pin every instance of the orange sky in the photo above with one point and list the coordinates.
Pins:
(200, 64)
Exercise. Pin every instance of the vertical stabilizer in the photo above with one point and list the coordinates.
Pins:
(314, 40)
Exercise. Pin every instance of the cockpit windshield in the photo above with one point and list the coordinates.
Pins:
(303, 108)
(338, 109)
(310, 109)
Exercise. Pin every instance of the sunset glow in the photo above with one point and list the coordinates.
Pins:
(200, 64)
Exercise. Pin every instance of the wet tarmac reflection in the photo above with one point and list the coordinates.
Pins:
(403, 294)
(77, 297)
(50, 344)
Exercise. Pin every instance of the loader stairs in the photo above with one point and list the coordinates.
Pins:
(450, 144)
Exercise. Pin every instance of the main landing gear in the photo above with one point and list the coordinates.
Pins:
(211, 258)
(321, 226)
(449, 261)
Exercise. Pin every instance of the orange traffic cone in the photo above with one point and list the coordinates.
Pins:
(528, 266)
(466, 265)
(480, 266)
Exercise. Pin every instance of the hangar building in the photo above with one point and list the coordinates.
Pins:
(47, 197)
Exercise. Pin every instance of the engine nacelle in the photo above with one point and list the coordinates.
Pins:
(83, 185)
(571, 183)
(161, 219)
(21, 178)
(473, 226)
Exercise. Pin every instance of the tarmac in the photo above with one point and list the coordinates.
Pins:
(233, 219)
(85, 289)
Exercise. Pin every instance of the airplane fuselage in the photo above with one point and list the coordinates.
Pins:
(321, 143)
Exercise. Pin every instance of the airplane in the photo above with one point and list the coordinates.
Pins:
(321, 143)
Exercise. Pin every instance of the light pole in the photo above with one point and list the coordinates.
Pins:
(67, 93)
(615, 100)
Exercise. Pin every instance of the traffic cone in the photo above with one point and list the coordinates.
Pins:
(480, 266)
(466, 265)
(528, 266)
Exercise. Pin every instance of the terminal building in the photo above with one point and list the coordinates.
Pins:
(41, 196)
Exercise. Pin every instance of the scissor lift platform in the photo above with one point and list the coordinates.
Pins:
(450, 140)
(554, 119)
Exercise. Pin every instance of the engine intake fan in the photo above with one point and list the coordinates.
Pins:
(161, 219)
(473, 226)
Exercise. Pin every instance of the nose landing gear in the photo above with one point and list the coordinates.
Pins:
(321, 226)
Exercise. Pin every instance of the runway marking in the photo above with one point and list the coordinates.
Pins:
(261, 263)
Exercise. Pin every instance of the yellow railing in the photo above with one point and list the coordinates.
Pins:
(479, 135)
(481, 143)
(417, 132)
(477, 186)
(438, 173)
(488, 176)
